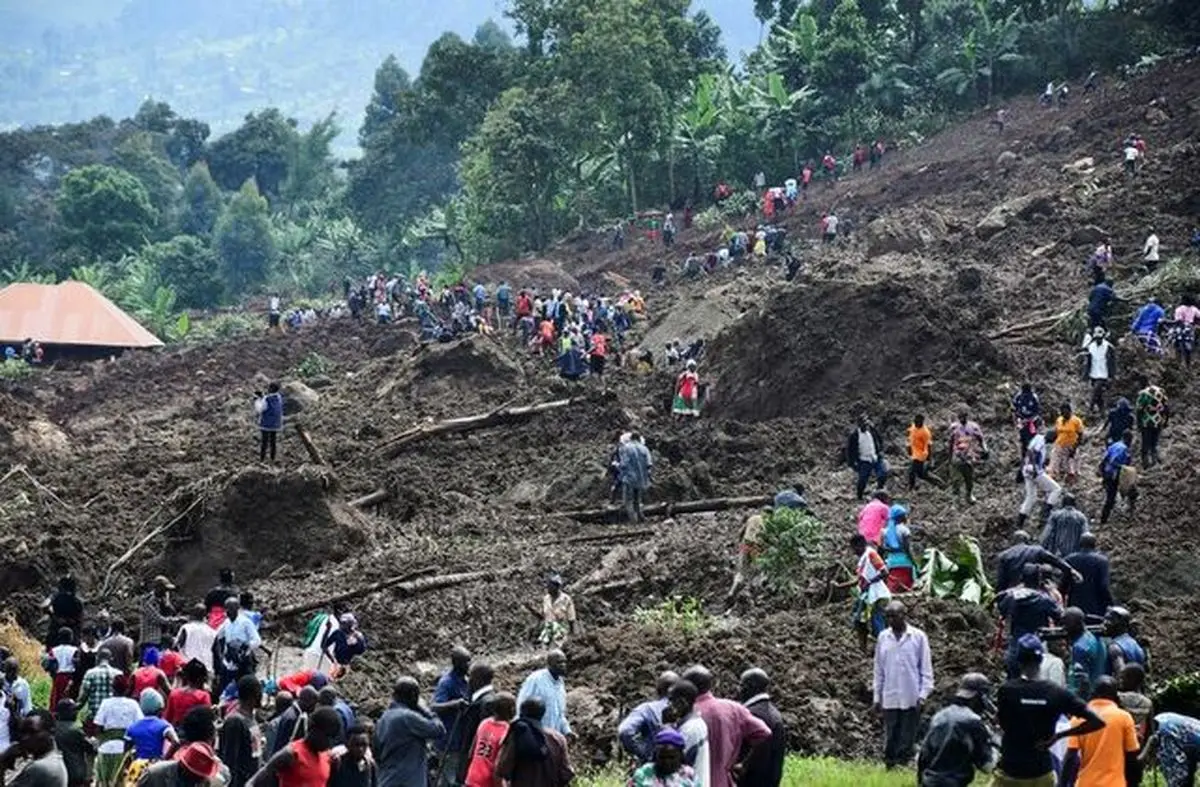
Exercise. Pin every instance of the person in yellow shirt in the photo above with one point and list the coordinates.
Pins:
(920, 440)
(1068, 430)
(1109, 757)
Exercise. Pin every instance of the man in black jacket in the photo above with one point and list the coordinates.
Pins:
(864, 453)
(765, 766)
(1011, 562)
(1090, 592)
(479, 681)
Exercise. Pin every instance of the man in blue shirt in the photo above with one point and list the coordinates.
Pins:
(548, 686)
(637, 730)
(401, 737)
(1099, 299)
(451, 696)
(346, 641)
(1118, 462)
(1088, 657)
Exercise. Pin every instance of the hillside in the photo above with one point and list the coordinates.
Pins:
(905, 316)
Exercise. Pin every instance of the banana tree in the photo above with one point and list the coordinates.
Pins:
(782, 114)
(988, 45)
(697, 135)
(97, 277)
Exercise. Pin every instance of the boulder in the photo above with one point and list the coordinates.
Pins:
(904, 234)
(298, 397)
(1156, 117)
(320, 381)
(1086, 236)
(1007, 160)
(525, 494)
(1023, 208)
(1083, 166)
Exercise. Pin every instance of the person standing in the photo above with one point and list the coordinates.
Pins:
(64, 610)
(35, 741)
(958, 742)
(1028, 709)
(1100, 298)
(1091, 591)
(870, 573)
(634, 465)
(967, 447)
(1100, 366)
(903, 680)
(306, 762)
(1118, 475)
(353, 767)
(115, 715)
(121, 647)
(98, 683)
(765, 769)
(1027, 608)
(1123, 649)
(402, 737)
(190, 694)
(158, 613)
(1153, 412)
(1088, 659)
(687, 391)
(1068, 437)
(558, 613)
(685, 718)
(734, 733)
(533, 754)
(483, 695)
(864, 454)
(241, 743)
(897, 551)
(1110, 756)
(636, 731)
(1034, 474)
(269, 410)
(873, 517)
(235, 645)
(346, 642)
(487, 742)
(548, 686)
(1064, 528)
(1010, 564)
(1184, 330)
(451, 696)
(920, 441)
(1150, 251)
(1027, 410)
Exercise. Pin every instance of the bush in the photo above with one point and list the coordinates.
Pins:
(15, 370)
(676, 613)
(315, 365)
(789, 538)
(224, 327)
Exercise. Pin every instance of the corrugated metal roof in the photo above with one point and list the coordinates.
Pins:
(67, 313)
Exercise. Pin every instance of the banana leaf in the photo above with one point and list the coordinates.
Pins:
(956, 572)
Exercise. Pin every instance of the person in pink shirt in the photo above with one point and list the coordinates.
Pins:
(731, 726)
(873, 517)
(1184, 329)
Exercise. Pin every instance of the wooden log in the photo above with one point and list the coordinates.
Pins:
(410, 584)
(306, 440)
(617, 514)
(1041, 322)
(375, 498)
(396, 445)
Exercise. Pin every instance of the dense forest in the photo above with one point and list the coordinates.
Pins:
(498, 145)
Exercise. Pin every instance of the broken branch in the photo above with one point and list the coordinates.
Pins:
(395, 446)
(1041, 322)
(376, 497)
(617, 514)
(133, 550)
(306, 440)
(405, 585)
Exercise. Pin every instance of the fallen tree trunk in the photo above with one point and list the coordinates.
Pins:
(396, 446)
(410, 584)
(1041, 322)
(617, 514)
(375, 498)
(313, 453)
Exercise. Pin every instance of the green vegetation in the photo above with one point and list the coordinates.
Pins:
(494, 147)
(798, 772)
(15, 370)
(685, 615)
(789, 539)
(315, 365)
(956, 572)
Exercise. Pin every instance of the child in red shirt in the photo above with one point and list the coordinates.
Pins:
(485, 750)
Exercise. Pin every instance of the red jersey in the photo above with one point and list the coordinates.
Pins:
(296, 681)
(524, 305)
(147, 678)
(484, 753)
(806, 175)
(830, 162)
(310, 769)
(180, 701)
(599, 345)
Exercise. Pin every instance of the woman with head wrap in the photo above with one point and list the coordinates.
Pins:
(150, 737)
(668, 769)
(150, 675)
(897, 550)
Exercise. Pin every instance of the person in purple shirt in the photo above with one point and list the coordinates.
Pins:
(733, 731)
(637, 730)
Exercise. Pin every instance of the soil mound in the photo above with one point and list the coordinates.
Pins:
(258, 521)
(830, 342)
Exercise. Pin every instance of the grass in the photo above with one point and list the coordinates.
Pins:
(686, 615)
(28, 651)
(798, 772)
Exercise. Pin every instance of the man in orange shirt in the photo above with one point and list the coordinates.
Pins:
(920, 438)
(1109, 757)
(1068, 431)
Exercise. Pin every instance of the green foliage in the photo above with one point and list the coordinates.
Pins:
(243, 240)
(1180, 694)
(141, 155)
(98, 277)
(790, 537)
(190, 268)
(677, 613)
(201, 202)
(315, 365)
(260, 149)
(223, 327)
(797, 772)
(956, 572)
(23, 271)
(15, 369)
(105, 211)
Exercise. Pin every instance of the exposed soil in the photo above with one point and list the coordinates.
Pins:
(894, 320)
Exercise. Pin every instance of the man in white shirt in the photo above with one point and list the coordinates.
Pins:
(195, 638)
(903, 680)
(1034, 474)
(1131, 158)
(1150, 251)
(236, 642)
(273, 312)
(1101, 366)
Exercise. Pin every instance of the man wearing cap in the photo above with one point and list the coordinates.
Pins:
(667, 768)
(1028, 710)
(157, 612)
(1110, 756)
(958, 741)
(1100, 364)
(345, 642)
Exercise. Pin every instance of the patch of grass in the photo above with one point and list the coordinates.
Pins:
(797, 772)
(677, 613)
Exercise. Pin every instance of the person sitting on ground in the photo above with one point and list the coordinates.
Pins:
(791, 496)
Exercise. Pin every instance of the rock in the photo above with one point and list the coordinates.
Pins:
(1007, 160)
(298, 397)
(524, 494)
(1156, 117)
(1088, 235)
(904, 234)
(1024, 208)
(320, 381)
(1083, 166)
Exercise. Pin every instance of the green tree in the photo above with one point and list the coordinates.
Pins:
(310, 164)
(260, 148)
(185, 142)
(189, 267)
(243, 240)
(782, 115)
(105, 211)
(990, 43)
(200, 202)
(155, 116)
(697, 130)
(141, 155)
(844, 54)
